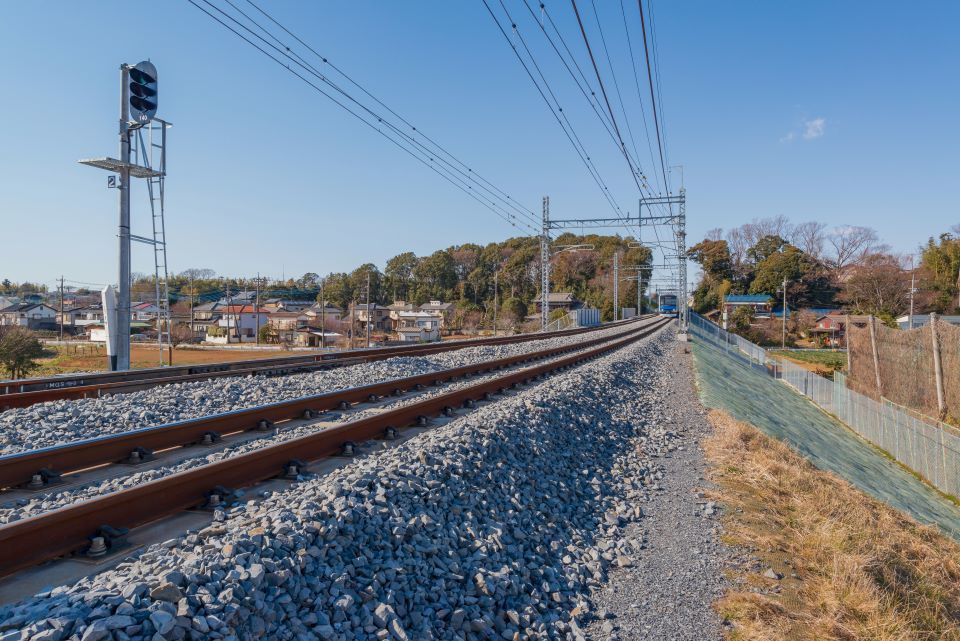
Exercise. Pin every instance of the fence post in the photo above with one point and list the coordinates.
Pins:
(937, 366)
(876, 355)
(846, 343)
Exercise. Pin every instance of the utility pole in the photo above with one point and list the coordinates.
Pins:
(783, 339)
(256, 309)
(61, 309)
(545, 266)
(913, 278)
(616, 286)
(323, 314)
(123, 277)
(192, 294)
(368, 309)
(496, 274)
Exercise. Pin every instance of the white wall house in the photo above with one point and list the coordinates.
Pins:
(29, 315)
(418, 327)
(244, 320)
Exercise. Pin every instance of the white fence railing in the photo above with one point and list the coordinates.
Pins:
(927, 446)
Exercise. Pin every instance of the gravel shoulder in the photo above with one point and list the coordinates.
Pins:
(667, 590)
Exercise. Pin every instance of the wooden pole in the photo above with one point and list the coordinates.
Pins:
(937, 366)
(876, 355)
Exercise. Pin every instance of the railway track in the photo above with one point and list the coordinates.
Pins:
(27, 392)
(70, 529)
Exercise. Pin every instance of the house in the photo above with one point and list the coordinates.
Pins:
(82, 316)
(287, 325)
(327, 313)
(830, 329)
(444, 309)
(284, 305)
(8, 301)
(238, 323)
(311, 337)
(761, 304)
(920, 320)
(29, 315)
(418, 327)
(144, 311)
(379, 318)
(559, 300)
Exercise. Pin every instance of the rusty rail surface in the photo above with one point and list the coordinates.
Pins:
(20, 468)
(27, 392)
(47, 536)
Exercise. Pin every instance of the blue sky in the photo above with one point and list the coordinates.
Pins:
(840, 112)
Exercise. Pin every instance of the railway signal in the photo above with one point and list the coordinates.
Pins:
(143, 91)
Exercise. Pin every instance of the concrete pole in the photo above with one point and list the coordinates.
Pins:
(496, 294)
(783, 340)
(323, 314)
(937, 366)
(616, 286)
(122, 323)
(876, 355)
(369, 319)
(545, 266)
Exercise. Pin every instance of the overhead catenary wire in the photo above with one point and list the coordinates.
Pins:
(653, 98)
(555, 111)
(464, 182)
(440, 148)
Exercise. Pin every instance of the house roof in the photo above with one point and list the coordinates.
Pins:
(437, 305)
(22, 307)
(144, 305)
(748, 298)
(560, 297)
(243, 309)
(287, 314)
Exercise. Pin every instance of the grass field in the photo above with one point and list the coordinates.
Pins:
(89, 358)
(831, 562)
(821, 361)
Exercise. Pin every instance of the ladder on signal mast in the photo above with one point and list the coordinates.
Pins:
(148, 148)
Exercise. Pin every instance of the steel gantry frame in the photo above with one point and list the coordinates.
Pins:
(676, 220)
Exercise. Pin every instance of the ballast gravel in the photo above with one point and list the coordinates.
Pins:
(58, 422)
(56, 497)
(505, 523)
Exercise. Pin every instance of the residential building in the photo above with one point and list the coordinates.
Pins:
(238, 323)
(144, 312)
(418, 327)
(444, 309)
(29, 315)
(328, 313)
(284, 305)
(761, 304)
(919, 320)
(379, 318)
(82, 316)
(559, 300)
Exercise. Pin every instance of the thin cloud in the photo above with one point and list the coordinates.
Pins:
(814, 128)
(808, 130)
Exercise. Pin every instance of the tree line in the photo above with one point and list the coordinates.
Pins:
(846, 266)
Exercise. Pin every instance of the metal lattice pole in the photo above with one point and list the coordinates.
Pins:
(545, 266)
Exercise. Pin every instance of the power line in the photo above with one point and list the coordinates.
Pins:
(412, 127)
(653, 98)
(404, 143)
(603, 91)
(636, 78)
(554, 111)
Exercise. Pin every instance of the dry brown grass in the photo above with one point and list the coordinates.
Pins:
(853, 568)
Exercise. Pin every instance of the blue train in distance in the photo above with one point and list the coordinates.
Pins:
(667, 304)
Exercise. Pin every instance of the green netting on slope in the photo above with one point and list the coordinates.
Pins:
(745, 391)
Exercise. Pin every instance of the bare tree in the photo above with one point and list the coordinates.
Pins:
(852, 244)
(876, 286)
(715, 234)
(810, 237)
(738, 244)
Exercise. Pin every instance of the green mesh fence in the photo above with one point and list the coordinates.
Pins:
(739, 382)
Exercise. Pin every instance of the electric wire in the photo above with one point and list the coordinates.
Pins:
(416, 153)
(587, 162)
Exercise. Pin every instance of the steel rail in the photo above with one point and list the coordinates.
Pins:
(29, 392)
(50, 462)
(53, 534)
